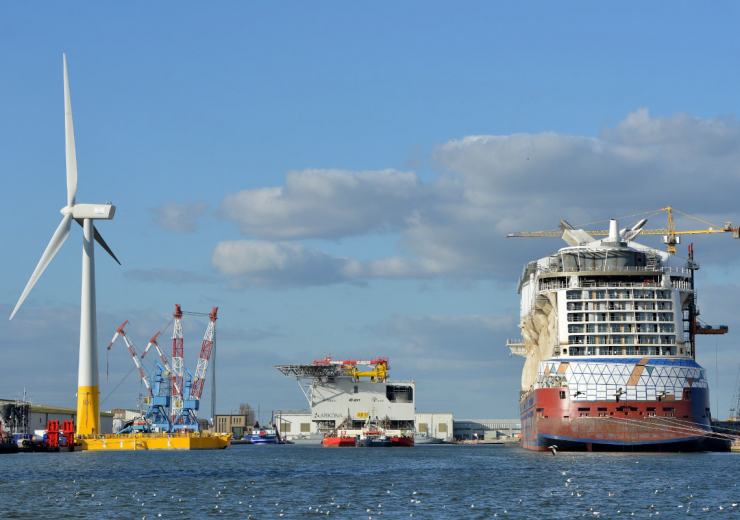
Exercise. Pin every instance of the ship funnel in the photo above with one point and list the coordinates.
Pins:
(613, 230)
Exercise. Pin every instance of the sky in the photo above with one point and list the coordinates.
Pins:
(339, 178)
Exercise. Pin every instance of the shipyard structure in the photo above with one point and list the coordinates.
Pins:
(344, 395)
(608, 335)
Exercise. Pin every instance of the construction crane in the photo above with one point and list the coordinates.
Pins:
(205, 356)
(162, 355)
(187, 418)
(670, 237)
(177, 365)
(156, 416)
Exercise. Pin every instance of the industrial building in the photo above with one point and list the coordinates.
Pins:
(233, 423)
(486, 429)
(293, 425)
(40, 415)
(437, 425)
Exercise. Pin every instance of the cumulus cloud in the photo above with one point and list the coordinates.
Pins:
(258, 262)
(455, 226)
(325, 204)
(179, 218)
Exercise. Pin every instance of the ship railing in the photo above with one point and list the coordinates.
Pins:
(517, 347)
(625, 269)
(546, 285)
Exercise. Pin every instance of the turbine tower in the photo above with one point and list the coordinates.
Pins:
(88, 386)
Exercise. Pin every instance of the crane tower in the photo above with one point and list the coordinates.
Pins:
(177, 364)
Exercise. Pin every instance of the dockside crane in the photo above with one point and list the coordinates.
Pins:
(670, 236)
(158, 400)
(134, 355)
(188, 417)
(177, 365)
(205, 355)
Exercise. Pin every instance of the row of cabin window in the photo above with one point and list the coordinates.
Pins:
(617, 328)
(621, 294)
(669, 339)
(620, 306)
(620, 316)
(623, 351)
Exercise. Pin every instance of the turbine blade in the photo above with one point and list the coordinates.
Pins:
(99, 240)
(69, 140)
(60, 235)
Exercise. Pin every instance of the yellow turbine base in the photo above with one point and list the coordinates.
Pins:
(88, 410)
(156, 441)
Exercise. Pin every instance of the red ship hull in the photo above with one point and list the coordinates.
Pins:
(338, 442)
(405, 442)
(549, 417)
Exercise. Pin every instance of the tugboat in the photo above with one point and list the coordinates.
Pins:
(372, 434)
(269, 435)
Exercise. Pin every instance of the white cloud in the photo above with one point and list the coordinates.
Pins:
(279, 264)
(179, 218)
(325, 204)
(282, 264)
(455, 226)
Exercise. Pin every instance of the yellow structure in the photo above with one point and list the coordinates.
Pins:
(88, 410)
(155, 441)
(376, 375)
(669, 234)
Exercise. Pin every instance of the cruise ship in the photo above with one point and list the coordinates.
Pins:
(608, 329)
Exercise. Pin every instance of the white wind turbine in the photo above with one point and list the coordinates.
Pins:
(88, 391)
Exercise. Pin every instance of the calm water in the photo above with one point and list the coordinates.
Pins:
(426, 482)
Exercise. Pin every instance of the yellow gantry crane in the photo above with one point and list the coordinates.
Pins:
(669, 234)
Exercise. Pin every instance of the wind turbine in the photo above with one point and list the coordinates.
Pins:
(88, 385)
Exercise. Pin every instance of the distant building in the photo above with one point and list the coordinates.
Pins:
(299, 424)
(486, 429)
(435, 424)
(39, 415)
(233, 423)
(292, 425)
(124, 414)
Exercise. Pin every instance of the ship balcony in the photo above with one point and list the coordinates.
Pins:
(516, 347)
(624, 269)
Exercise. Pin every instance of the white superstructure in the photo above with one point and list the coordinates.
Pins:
(340, 394)
(607, 298)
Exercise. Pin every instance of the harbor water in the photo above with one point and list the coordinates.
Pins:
(445, 481)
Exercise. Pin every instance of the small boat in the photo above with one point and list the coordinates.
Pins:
(424, 438)
(372, 435)
(268, 435)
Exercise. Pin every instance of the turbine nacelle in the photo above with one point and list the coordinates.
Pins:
(90, 211)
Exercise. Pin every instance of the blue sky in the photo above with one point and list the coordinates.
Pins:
(314, 171)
